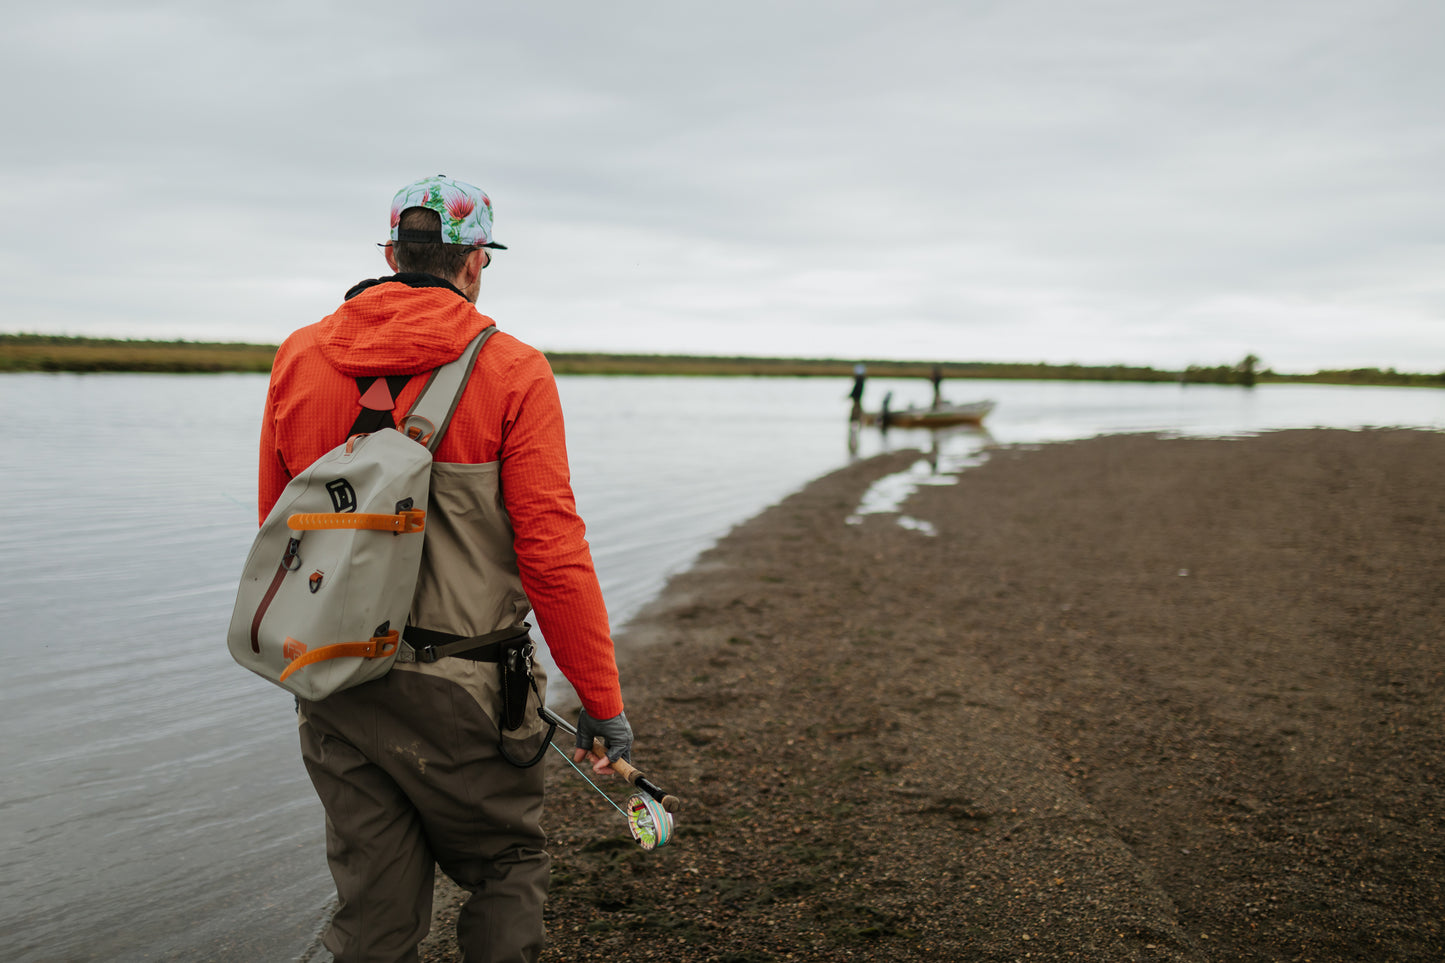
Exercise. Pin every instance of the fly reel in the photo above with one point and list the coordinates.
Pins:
(651, 825)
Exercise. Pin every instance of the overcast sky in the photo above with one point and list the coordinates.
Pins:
(1137, 181)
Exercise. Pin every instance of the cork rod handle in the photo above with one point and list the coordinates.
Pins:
(635, 777)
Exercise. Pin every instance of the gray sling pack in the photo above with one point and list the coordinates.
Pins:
(329, 581)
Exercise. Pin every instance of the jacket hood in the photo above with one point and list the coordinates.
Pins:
(403, 324)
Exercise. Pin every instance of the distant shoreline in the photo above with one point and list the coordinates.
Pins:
(52, 353)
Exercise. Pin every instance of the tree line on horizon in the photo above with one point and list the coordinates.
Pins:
(56, 353)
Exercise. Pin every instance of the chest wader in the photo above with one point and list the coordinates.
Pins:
(510, 648)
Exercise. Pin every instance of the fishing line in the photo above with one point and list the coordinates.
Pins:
(589, 781)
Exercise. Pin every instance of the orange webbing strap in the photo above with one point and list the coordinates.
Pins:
(381, 645)
(407, 520)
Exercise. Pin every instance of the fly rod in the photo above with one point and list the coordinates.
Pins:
(624, 768)
(648, 817)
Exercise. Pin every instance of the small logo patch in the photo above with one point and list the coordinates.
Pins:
(315, 581)
(343, 496)
(292, 649)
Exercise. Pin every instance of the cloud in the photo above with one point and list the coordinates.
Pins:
(1038, 180)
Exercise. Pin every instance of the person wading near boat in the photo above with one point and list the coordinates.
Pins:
(411, 767)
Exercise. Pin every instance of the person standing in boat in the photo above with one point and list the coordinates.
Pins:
(860, 375)
(937, 379)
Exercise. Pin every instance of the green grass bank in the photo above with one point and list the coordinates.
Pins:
(39, 352)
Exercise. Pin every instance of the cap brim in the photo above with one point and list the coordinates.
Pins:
(494, 244)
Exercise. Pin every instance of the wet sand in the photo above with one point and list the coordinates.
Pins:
(1138, 699)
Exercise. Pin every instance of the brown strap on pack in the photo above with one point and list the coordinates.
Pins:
(378, 647)
(407, 520)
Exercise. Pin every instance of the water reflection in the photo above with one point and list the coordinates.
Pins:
(974, 437)
(944, 453)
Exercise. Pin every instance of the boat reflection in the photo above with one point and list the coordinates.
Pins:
(953, 439)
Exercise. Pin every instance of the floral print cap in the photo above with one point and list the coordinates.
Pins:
(466, 211)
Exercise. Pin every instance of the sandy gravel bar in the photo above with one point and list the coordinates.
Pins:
(1138, 698)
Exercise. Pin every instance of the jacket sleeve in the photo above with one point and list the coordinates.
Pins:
(553, 557)
(273, 474)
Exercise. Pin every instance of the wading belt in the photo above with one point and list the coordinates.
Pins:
(426, 645)
(511, 649)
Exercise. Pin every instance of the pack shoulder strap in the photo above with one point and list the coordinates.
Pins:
(429, 416)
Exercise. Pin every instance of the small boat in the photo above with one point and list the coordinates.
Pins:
(944, 416)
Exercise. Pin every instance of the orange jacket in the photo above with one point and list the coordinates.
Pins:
(509, 413)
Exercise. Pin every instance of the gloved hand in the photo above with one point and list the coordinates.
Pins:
(615, 732)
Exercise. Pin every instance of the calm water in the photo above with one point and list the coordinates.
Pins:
(154, 804)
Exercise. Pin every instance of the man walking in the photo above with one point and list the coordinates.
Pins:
(418, 768)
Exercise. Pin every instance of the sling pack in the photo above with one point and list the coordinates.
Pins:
(329, 581)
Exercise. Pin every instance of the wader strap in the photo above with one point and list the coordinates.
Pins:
(426, 645)
(377, 403)
(432, 410)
